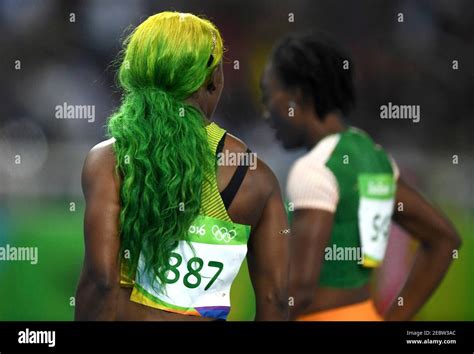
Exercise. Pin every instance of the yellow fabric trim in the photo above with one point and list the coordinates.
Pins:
(140, 298)
(211, 201)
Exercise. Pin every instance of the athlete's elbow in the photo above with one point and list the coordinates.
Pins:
(93, 298)
(452, 240)
(278, 300)
(104, 287)
(101, 281)
(302, 294)
(450, 237)
(448, 242)
(453, 237)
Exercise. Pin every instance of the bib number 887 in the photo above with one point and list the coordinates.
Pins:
(192, 279)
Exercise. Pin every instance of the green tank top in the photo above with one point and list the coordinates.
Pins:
(366, 184)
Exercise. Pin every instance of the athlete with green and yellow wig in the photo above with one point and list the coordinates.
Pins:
(166, 228)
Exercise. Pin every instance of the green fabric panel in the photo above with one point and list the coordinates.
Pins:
(206, 229)
(355, 154)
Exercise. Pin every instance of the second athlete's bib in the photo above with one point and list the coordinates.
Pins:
(376, 201)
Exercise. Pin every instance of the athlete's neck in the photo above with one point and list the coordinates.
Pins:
(318, 129)
(196, 103)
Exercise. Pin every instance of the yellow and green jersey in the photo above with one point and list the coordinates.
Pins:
(201, 270)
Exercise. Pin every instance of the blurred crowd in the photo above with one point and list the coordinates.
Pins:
(61, 52)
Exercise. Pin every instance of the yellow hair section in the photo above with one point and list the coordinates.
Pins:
(173, 51)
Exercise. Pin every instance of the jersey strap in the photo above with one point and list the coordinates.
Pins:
(211, 201)
(230, 191)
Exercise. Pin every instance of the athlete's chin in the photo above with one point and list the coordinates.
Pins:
(290, 145)
(286, 142)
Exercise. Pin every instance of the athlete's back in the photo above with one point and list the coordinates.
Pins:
(257, 203)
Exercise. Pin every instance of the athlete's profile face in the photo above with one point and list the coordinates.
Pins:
(280, 110)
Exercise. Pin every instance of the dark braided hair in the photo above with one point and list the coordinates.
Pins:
(314, 63)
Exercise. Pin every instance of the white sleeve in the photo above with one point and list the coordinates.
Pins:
(312, 186)
(396, 170)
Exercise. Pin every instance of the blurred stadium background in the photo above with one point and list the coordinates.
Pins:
(48, 60)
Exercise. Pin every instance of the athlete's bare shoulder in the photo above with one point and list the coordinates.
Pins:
(259, 184)
(234, 144)
(259, 174)
(99, 166)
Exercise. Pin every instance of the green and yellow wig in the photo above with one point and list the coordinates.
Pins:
(161, 148)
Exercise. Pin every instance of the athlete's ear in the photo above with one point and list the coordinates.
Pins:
(303, 103)
(299, 98)
(211, 87)
(292, 103)
(216, 81)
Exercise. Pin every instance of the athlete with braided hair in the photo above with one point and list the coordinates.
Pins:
(345, 192)
(166, 229)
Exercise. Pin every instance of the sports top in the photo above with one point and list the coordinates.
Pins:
(202, 269)
(354, 178)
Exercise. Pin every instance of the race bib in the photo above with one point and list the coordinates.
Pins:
(376, 202)
(200, 272)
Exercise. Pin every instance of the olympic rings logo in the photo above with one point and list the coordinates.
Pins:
(222, 234)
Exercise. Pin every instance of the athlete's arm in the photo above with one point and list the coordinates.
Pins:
(268, 257)
(438, 239)
(98, 288)
(313, 191)
(311, 231)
